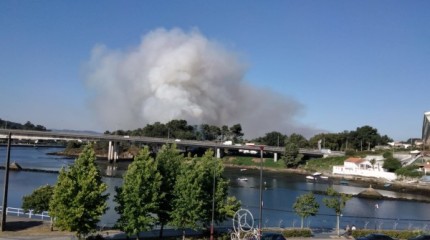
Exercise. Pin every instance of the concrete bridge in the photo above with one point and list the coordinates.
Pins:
(114, 141)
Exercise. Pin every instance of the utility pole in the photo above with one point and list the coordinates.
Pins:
(261, 194)
(213, 201)
(6, 184)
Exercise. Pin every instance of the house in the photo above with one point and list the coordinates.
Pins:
(356, 163)
(354, 166)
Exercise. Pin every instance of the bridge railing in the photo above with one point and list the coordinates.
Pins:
(20, 212)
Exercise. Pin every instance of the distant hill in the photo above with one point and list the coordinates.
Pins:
(27, 126)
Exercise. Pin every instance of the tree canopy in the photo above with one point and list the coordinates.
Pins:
(337, 202)
(305, 206)
(292, 156)
(39, 199)
(138, 198)
(78, 200)
(194, 192)
(169, 160)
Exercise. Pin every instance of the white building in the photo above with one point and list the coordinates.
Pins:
(362, 167)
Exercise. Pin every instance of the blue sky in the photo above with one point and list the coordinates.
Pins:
(348, 63)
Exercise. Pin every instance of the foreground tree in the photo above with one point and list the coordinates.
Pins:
(138, 198)
(337, 202)
(169, 160)
(38, 200)
(78, 200)
(194, 192)
(305, 206)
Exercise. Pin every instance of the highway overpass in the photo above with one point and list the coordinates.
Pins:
(114, 139)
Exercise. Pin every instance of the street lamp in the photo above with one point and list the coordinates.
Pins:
(213, 202)
(261, 192)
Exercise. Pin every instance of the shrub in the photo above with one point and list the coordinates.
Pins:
(409, 171)
(392, 233)
(297, 232)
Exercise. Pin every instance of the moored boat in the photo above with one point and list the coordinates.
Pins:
(310, 178)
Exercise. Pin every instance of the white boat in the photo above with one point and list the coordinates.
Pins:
(243, 169)
(323, 177)
(310, 177)
(243, 179)
(316, 174)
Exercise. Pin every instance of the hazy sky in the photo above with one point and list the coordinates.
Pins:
(290, 66)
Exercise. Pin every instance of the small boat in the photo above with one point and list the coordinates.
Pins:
(310, 177)
(387, 185)
(323, 177)
(316, 174)
(243, 169)
(242, 179)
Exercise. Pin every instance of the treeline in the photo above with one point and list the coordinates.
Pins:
(27, 126)
(363, 138)
(179, 129)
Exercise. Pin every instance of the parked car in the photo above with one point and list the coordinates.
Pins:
(376, 236)
(272, 236)
(421, 237)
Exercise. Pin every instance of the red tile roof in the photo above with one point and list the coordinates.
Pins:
(355, 160)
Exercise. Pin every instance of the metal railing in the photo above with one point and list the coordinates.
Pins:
(20, 212)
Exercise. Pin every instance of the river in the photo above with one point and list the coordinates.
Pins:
(280, 191)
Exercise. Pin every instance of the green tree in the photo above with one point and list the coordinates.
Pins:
(299, 140)
(139, 196)
(209, 132)
(38, 200)
(305, 206)
(272, 139)
(78, 200)
(236, 131)
(169, 160)
(337, 202)
(194, 193)
(225, 133)
(392, 164)
(292, 157)
(387, 154)
(156, 130)
(409, 171)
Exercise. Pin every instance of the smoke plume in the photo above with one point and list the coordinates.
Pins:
(174, 74)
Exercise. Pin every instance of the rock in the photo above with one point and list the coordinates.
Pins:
(370, 193)
(15, 166)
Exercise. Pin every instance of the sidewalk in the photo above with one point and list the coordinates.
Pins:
(26, 228)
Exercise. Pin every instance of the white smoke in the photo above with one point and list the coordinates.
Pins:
(173, 74)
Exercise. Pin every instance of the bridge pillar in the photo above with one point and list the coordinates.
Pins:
(275, 157)
(115, 151)
(218, 153)
(110, 152)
